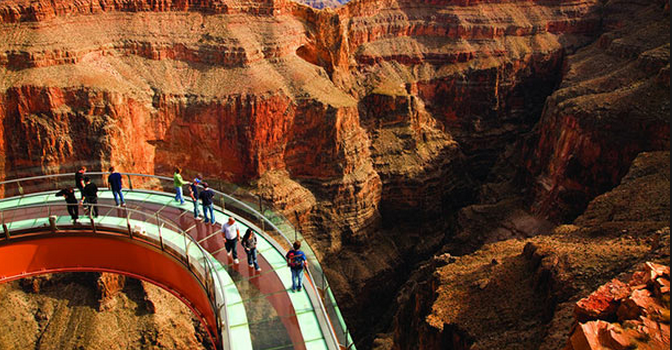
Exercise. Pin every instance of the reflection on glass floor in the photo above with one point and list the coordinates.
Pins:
(276, 317)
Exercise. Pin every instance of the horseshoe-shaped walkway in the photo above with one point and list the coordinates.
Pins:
(261, 311)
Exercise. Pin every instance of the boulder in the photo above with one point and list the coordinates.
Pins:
(603, 303)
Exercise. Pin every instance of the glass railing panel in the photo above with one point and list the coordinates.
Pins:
(242, 203)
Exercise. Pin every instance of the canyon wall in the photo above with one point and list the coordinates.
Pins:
(612, 104)
(368, 125)
(381, 91)
(521, 294)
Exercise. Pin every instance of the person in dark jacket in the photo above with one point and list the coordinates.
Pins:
(193, 193)
(79, 180)
(71, 200)
(114, 181)
(207, 196)
(91, 196)
(250, 246)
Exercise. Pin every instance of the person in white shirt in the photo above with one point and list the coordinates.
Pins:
(231, 237)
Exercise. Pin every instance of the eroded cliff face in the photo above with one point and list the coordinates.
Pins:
(612, 104)
(521, 294)
(367, 125)
(240, 89)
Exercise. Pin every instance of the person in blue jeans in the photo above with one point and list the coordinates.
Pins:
(296, 260)
(114, 181)
(193, 193)
(178, 182)
(250, 245)
(206, 196)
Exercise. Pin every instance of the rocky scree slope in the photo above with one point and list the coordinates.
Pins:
(521, 294)
(634, 314)
(95, 311)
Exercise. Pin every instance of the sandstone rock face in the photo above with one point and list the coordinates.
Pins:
(376, 118)
(109, 285)
(366, 125)
(613, 103)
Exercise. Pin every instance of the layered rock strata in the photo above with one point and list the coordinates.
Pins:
(238, 89)
(612, 104)
(366, 125)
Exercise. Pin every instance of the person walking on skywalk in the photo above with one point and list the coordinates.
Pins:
(91, 197)
(231, 237)
(71, 200)
(249, 243)
(296, 260)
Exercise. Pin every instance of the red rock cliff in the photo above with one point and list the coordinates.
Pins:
(378, 112)
(238, 90)
(612, 104)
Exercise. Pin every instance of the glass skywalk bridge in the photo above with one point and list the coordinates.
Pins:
(243, 308)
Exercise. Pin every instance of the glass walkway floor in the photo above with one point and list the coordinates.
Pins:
(262, 311)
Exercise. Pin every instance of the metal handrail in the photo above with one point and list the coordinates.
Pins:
(222, 325)
(335, 344)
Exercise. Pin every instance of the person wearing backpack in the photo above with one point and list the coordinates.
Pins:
(296, 260)
(250, 246)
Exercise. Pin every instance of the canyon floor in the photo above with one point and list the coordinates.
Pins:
(95, 311)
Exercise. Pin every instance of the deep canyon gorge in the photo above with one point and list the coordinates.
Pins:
(466, 170)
